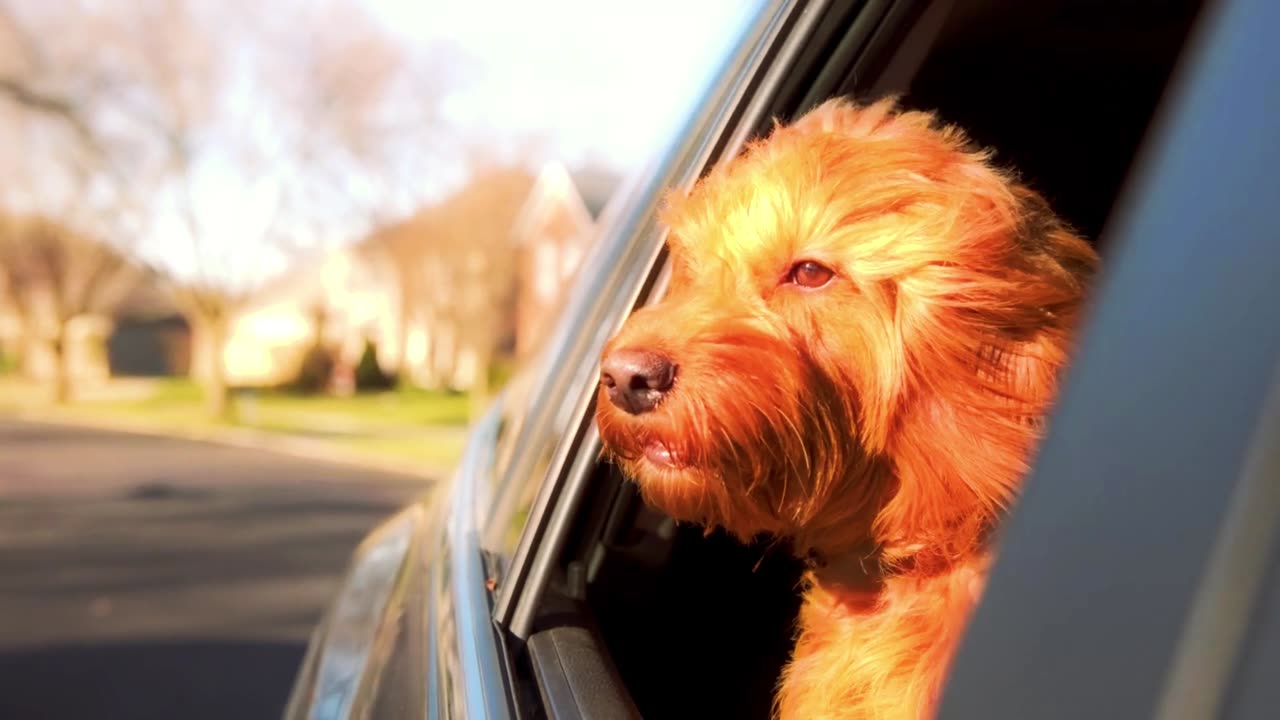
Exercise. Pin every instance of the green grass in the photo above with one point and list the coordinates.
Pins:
(412, 425)
(393, 408)
(282, 410)
(8, 362)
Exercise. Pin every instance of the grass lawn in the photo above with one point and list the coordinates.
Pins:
(416, 426)
(395, 409)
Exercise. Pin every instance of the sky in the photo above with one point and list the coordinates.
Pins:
(604, 79)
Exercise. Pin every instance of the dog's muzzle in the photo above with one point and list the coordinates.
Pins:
(637, 380)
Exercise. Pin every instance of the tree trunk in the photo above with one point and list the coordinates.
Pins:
(401, 363)
(61, 366)
(213, 340)
(444, 355)
(217, 394)
(480, 388)
(23, 362)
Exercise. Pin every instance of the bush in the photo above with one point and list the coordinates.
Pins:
(314, 371)
(369, 374)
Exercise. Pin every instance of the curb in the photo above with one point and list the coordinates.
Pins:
(247, 439)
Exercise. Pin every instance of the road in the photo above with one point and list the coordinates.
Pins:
(143, 577)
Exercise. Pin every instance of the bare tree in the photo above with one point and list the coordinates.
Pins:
(335, 108)
(55, 271)
(52, 276)
(478, 228)
(238, 131)
(397, 251)
(20, 81)
(454, 264)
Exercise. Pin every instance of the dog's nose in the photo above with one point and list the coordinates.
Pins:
(636, 380)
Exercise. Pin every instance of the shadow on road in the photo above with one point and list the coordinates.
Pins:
(153, 578)
(189, 680)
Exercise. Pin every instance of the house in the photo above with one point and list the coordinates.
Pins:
(551, 234)
(399, 287)
(149, 336)
(62, 298)
(339, 301)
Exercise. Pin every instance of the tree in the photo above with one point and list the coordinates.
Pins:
(51, 276)
(241, 133)
(52, 271)
(454, 263)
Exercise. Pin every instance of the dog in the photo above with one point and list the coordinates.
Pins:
(864, 330)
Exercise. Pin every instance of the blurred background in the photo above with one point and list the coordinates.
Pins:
(261, 263)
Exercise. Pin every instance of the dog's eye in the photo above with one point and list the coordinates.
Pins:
(810, 274)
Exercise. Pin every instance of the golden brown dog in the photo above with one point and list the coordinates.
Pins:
(864, 330)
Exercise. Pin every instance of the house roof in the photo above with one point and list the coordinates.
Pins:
(151, 297)
(553, 193)
(597, 184)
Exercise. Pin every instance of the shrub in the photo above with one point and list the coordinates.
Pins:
(369, 374)
(314, 371)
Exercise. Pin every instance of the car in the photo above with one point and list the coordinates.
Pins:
(1138, 574)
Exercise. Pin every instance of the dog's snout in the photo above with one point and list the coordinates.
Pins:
(636, 380)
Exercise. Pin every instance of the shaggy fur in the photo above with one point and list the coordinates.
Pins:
(879, 423)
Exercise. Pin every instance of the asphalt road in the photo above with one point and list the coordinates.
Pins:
(145, 578)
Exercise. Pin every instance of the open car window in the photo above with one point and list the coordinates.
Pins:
(616, 586)
(607, 282)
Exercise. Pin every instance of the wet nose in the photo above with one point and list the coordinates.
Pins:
(636, 380)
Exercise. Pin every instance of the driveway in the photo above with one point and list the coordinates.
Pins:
(144, 577)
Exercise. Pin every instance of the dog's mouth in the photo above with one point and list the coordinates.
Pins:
(661, 455)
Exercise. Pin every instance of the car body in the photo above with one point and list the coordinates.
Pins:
(1138, 575)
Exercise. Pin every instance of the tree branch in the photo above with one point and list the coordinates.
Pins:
(29, 97)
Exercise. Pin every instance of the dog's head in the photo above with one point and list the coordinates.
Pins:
(861, 332)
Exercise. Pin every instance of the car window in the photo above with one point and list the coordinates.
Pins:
(604, 290)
